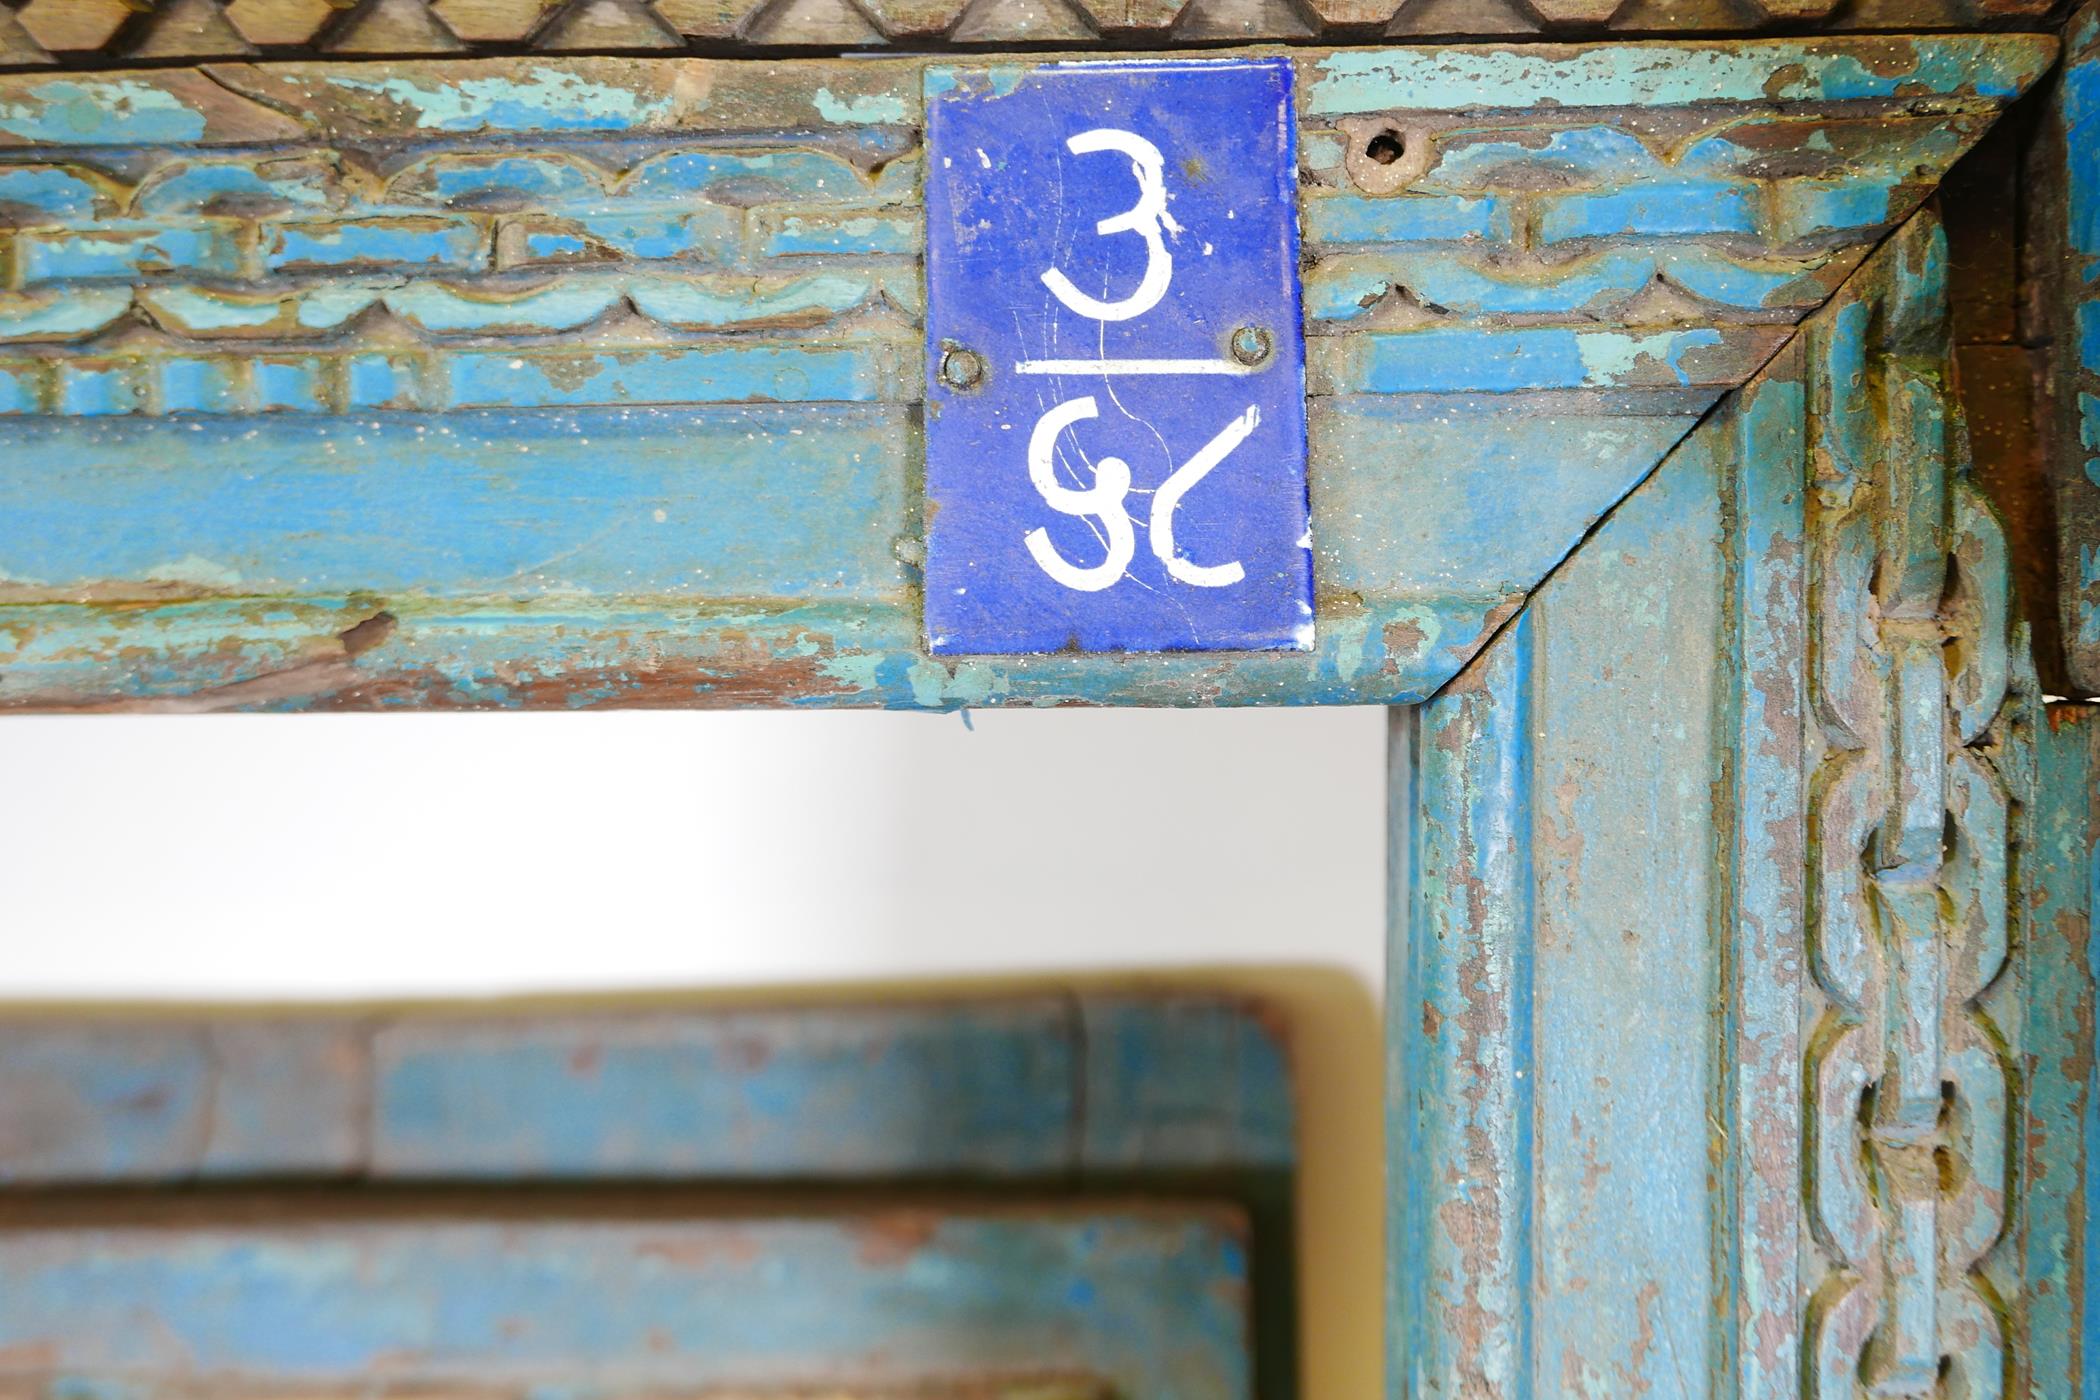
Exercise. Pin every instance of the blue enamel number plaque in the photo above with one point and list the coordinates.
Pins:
(1115, 415)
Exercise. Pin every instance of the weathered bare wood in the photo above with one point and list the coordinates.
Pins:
(113, 31)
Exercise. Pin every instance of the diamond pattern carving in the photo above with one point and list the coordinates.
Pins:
(74, 26)
(915, 19)
(279, 23)
(31, 32)
(1576, 11)
(182, 28)
(1353, 13)
(606, 26)
(394, 26)
(707, 19)
(492, 21)
(16, 47)
(1798, 9)
(1427, 18)
(1021, 22)
(814, 22)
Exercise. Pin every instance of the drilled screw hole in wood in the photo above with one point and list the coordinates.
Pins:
(1383, 157)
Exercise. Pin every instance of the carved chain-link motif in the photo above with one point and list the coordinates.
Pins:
(1910, 1091)
(110, 31)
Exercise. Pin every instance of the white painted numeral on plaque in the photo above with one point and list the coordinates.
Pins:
(1144, 219)
(1105, 500)
(1168, 499)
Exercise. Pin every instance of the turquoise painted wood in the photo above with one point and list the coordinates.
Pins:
(2062, 1121)
(1075, 1303)
(1737, 1047)
(614, 1202)
(1040, 1088)
(2071, 316)
(1742, 1008)
(594, 381)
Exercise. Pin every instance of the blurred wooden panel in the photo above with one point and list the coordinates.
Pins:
(1029, 1088)
(320, 1299)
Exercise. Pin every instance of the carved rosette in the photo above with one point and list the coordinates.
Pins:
(1909, 1080)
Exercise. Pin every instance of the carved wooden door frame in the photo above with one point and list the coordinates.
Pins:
(1717, 1024)
(1742, 1008)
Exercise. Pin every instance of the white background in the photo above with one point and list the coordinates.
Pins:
(397, 855)
(317, 857)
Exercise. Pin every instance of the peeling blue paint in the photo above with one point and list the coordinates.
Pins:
(895, 235)
(460, 179)
(1582, 155)
(1465, 359)
(706, 235)
(93, 391)
(1808, 208)
(99, 112)
(864, 107)
(110, 251)
(844, 373)
(1344, 287)
(54, 193)
(292, 384)
(562, 306)
(2081, 105)
(1676, 208)
(547, 97)
(196, 386)
(1434, 79)
(1404, 219)
(1153, 1301)
(72, 314)
(418, 241)
(507, 504)
(743, 178)
(691, 303)
(196, 189)
(19, 390)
